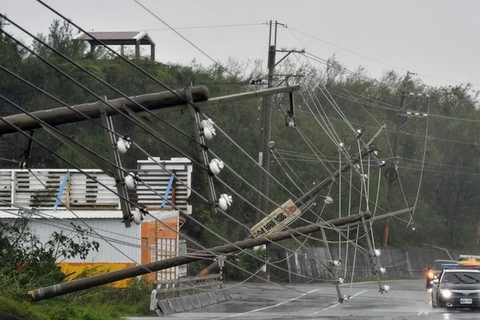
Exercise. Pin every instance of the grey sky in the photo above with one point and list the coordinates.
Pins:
(435, 38)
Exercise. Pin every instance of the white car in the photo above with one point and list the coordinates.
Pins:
(457, 288)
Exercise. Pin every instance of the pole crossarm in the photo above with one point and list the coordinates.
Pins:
(118, 172)
(202, 155)
(248, 95)
(90, 282)
(288, 52)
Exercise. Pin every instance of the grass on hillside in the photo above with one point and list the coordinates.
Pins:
(103, 303)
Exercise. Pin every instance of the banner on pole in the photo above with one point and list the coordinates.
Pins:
(277, 220)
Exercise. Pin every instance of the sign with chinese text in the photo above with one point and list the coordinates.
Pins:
(277, 220)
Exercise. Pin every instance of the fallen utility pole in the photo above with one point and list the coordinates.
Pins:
(75, 113)
(312, 193)
(365, 151)
(98, 280)
(153, 102)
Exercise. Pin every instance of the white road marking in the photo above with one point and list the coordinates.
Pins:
(336, 304)
(272, 306)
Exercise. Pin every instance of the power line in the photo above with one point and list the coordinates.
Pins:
(81, 68)
(370, 58)
(98, 79)
(181, 36)
(114, 191)
(347, 50)
(208, 26)
(366, 103)
(61, 102)
(189, 217)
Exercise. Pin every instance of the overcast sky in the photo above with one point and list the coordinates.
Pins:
(437, 39)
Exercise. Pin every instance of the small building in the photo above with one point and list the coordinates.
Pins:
(88, 203)
(119, 38)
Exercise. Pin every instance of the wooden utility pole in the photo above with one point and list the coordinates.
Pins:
(94, 281)
(400, 123)
(265, 144)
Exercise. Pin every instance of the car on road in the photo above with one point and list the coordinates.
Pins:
(434, 270)
(457, 288)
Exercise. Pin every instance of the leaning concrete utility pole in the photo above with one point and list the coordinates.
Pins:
(64, 115)
(153, 102)
(98, 280)
(312, 193)
(140, 108)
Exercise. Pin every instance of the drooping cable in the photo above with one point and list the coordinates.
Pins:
(183, 37)
(423, 162)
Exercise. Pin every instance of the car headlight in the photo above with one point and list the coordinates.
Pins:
(446, 293)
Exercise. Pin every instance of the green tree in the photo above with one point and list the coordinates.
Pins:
(60, 38)
(27, 262)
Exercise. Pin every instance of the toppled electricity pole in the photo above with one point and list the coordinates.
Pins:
(138, 107)
(312, 193)
(98, 280)
(76, 113)
(153, 102)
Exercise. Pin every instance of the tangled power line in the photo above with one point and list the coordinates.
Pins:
(311, 98)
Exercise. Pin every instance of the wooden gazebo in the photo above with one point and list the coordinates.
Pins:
(121, 38)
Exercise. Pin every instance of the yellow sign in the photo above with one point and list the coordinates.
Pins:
(277, 220)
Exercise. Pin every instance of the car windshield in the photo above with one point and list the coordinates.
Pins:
(462, 277)
(437, 265)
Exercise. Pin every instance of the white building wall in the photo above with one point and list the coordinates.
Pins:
(117, 243)
(89, 200)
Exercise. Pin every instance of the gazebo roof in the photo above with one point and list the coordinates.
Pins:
(116, 37)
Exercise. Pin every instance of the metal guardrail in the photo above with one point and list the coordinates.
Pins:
(170, 296)
(187, 286)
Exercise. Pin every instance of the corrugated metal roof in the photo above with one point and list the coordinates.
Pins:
(116, 37)
(93, 191)
(110, 35)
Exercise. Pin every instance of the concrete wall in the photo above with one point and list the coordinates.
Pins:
(309, 262)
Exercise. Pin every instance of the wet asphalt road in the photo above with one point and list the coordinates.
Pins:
(407, 299)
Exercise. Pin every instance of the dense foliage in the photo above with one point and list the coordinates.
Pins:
(447, 208)
(28, 262)
(437, 153)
